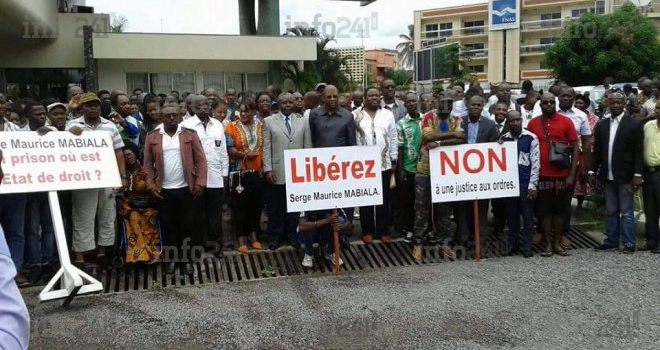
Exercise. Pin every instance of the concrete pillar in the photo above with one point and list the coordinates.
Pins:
(246, 17)
(88, 54)
(269, 17)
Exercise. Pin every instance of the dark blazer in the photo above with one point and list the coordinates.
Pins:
(332, 130)
(487, 130)
(627, 149)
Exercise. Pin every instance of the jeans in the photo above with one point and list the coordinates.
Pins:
(281, 225)
(12, 220)
(323, 235)
(38, 250)
(516, 207)
(620, 219)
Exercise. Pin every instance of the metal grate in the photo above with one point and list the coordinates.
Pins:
(284, 262)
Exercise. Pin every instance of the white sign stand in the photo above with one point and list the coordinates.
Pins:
(73, 281)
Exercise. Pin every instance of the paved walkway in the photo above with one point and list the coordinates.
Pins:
(587, 301)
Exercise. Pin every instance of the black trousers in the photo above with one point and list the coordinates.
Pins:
(179, 212)
(247, 205)
(498, 206)
(281, 225)
(212, 224)
(374, 219)
(651, 194)
(405, 203)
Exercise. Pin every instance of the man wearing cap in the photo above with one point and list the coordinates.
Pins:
(99, 202)
(56, 116)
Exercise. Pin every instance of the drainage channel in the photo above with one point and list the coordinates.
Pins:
(258, 265)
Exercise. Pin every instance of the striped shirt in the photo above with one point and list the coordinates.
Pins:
(105, 126)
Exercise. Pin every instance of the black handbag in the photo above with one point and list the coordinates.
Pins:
(559, 154)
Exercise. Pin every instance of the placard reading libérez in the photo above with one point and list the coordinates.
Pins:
(337, 177)
(475, 171)
(57, 161)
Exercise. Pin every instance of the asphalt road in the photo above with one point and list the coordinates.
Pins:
(587, 301)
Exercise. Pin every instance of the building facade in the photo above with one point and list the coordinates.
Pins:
(47, 47)
(513, 55)
(378, 62)
(355, 60)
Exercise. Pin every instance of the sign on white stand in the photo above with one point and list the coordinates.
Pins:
(54, 162)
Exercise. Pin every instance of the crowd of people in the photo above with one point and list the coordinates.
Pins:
(184, 159)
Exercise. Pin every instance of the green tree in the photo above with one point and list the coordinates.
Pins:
(400, 77)
(447, 61)
(332, 66)
(303, 31)
(119, 24)
(406, 47)
(623, 44)
(303, 80)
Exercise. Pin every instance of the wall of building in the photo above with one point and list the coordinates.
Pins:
(112, 73)
(64, 51)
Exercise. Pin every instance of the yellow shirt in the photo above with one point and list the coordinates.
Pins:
(652, 144)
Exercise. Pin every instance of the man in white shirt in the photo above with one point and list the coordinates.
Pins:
(527, 108)
(14, 317)
(375, 126)
(212, 134)
(503, 95)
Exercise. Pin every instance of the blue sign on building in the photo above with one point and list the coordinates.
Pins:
(504, 14)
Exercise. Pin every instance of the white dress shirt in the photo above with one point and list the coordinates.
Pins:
(379, 130)
(579, 119)
(614, 126)
(14, 317)
(173, 176)
(215, 148)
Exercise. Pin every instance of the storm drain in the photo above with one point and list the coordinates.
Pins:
(258, 265)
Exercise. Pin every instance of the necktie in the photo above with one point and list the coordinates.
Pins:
(288, 125)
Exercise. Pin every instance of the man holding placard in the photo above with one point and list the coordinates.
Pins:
(96, 202)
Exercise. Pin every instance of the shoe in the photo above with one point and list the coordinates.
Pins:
(256, 245)
(308, 261)
(190, 270)
(409, 237)
(606, 247)
(512, 252)
(295, 245)
(447, 252)
(21, 281)
(386, 239)
(35, 274)
(242, 249)
(417, 252)
(431, 238)
(629, 249)
(331, 257)
(344, 242)
(527, 254)
(656, 250)
(274, 245)
(171, 267)
(368, 239)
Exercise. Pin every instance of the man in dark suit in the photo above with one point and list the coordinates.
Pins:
(498, 205)
(477, 129)
(617, 161)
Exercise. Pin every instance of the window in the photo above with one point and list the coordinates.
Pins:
(431, 31)
(183, 82)
(548, 41)
(257, 81)
(214, 81)
(578, 12)
(161, 83)
(551, 20)
(137, 81)
(600, 7)
(477, 69)
(477, 46)
(474, 49)
(446, 29)
(234, 81)
(478, 30)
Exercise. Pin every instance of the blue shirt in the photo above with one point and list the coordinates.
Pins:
(472, 131)
(14, 318)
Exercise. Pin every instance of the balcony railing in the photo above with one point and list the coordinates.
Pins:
(474, 53)
(530, 49)
(453, 33)
(542, 24)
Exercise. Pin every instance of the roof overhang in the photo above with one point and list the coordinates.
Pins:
(203, 47)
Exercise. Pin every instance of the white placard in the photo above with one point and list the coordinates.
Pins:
(337, 177)
(57, 161)
(475, 171)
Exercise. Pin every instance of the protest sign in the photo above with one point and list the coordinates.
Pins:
(57, 161)
(338, 177)
(475, 171)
